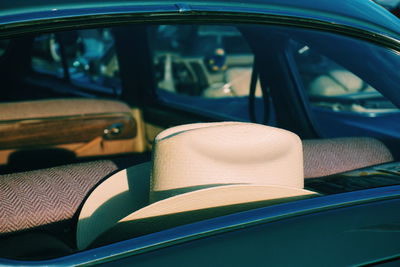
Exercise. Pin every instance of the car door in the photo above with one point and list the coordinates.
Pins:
(327, 238)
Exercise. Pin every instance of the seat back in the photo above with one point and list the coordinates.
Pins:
(329, 156)
(41, 197)
(73, 128)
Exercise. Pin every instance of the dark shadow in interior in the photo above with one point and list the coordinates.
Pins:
(24, 160)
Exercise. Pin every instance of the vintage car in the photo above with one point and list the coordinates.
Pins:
(199, 133)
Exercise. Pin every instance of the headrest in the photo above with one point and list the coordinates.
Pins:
(201, 171)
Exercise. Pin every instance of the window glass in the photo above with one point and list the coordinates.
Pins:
(85, 58)
(205, 68)
(340, 98)
(347, 83)
(329, 85)
(46, 57)
(94, 60)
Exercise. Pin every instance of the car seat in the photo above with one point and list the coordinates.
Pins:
(34, 201)
(38, 132)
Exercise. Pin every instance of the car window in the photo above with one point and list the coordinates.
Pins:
(46, 56)
(84, 58)
(338, 95)
(204, 68)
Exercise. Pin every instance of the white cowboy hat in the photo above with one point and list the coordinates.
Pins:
(199, 171)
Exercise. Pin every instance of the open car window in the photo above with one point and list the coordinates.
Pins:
(330, 85)
(84, 58)
(204, 68)
(343, 103)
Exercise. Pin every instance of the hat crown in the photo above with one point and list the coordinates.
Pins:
(196, 156)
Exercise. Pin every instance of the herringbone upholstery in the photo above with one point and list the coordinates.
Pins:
(324, 157)
(36, 198)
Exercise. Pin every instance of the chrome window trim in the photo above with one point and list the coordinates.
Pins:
(79, 18)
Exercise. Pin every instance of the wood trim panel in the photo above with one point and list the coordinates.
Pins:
(35, 133)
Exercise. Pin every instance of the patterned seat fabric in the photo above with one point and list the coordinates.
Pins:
(40, 197)
(329, 156)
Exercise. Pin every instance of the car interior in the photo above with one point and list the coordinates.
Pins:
(82, 109)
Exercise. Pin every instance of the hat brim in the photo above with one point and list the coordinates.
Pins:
(199, 205)
(116, 197)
